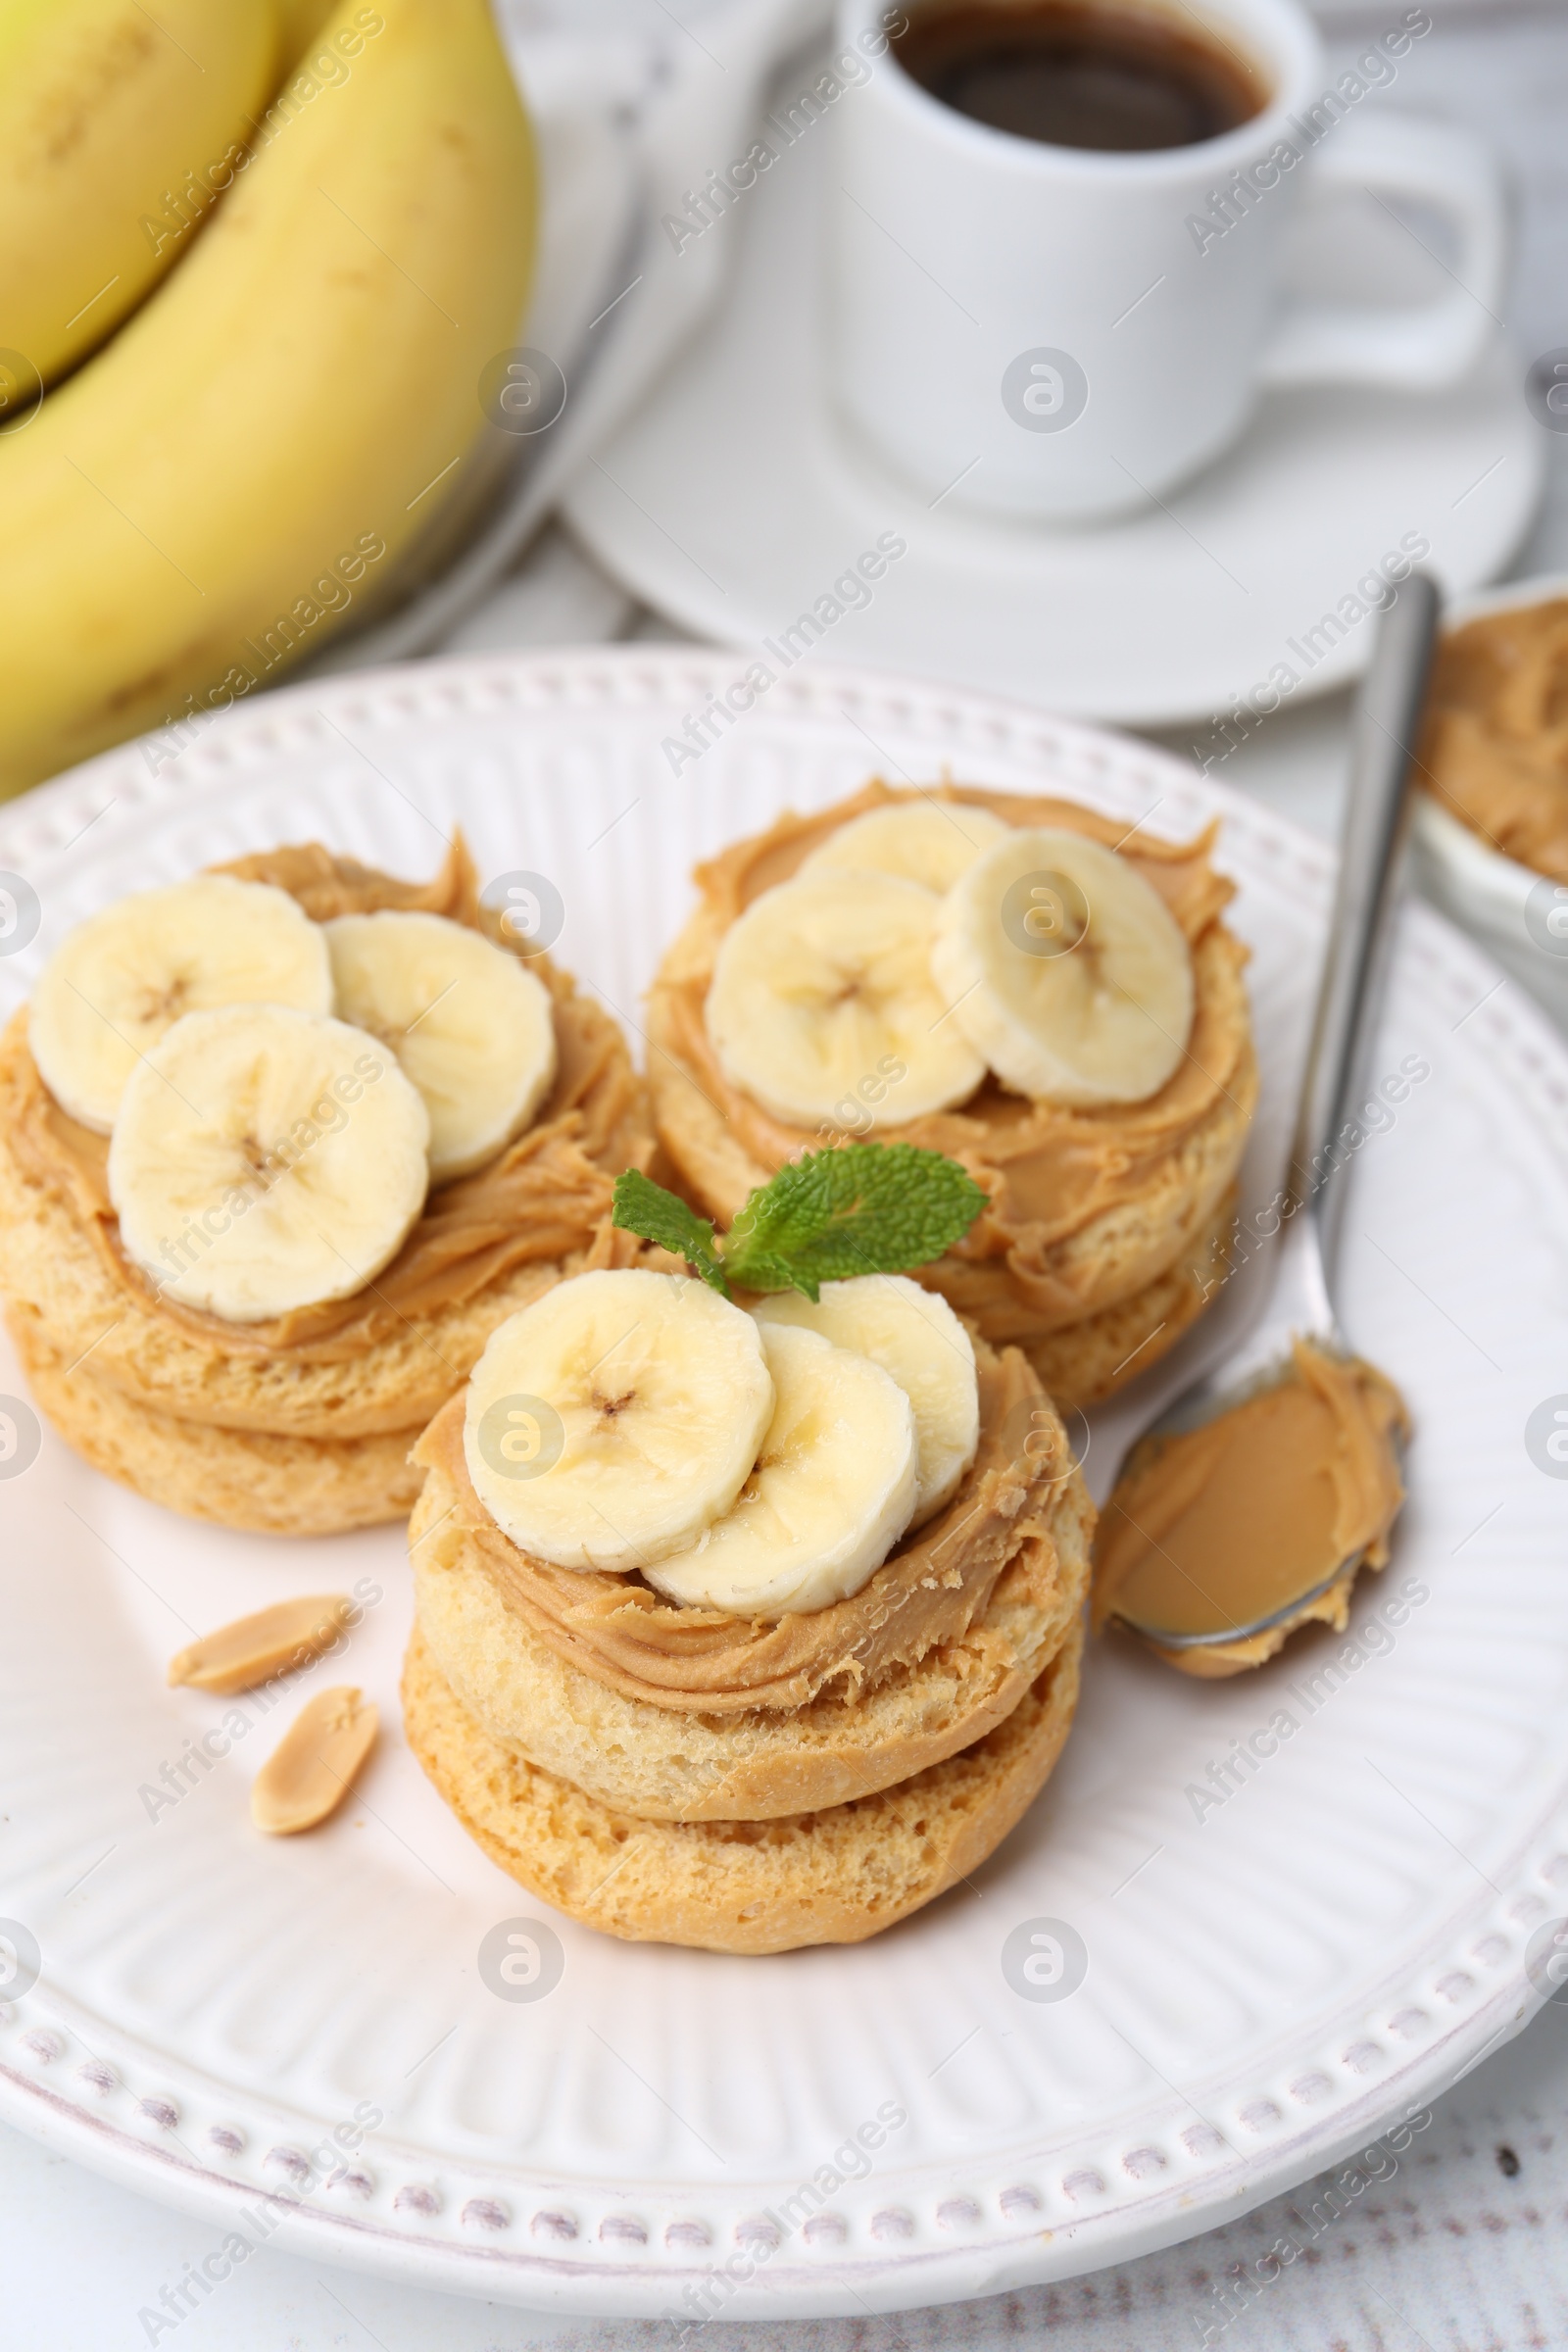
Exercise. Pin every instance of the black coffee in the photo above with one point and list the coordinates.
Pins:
(1072, 74)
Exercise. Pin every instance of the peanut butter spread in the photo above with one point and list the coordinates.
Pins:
(541, 1198)
(704, 1661)
(1049, 1171)
(1211, 1529)
(1496, 748)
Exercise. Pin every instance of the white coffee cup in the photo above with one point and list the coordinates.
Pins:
(1054, 332)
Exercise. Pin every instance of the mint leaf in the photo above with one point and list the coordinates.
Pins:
(644, 1208)
(864, 1209)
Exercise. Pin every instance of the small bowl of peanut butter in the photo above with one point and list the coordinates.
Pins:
(1492, 821)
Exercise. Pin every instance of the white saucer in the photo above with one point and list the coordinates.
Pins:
(735, 499)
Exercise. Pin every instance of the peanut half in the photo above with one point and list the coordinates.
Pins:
(251, 1651)
(311, 1769)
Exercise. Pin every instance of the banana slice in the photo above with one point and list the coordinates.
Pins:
(610, 1422)
(119, 980)
(915, 1336)
(1067, 970)
(264, 1159)
(470, 1027)
(929, 842)
(825, 982)
(831, 1493)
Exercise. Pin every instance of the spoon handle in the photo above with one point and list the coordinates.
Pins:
(1384, 733)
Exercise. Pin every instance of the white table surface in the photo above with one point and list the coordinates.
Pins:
(1465, 2248)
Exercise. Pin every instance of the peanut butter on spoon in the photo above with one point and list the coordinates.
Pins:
(1254, 1501)
(1264, 1513)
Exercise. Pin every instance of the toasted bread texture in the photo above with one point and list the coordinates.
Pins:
(662, 1764)
(835, 1876)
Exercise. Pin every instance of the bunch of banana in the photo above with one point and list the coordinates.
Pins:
(205, 497)
(111, 121)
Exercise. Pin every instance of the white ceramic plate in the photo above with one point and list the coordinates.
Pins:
(734, 501)
(1267, 1984)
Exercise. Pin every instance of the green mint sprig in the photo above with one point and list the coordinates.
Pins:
(862, 1208)
(644, 1208)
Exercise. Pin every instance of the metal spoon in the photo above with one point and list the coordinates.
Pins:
(1299, 1296)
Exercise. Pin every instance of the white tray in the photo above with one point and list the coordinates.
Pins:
(1267, 1988)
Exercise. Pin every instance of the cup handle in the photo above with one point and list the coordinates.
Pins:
(1436, 343)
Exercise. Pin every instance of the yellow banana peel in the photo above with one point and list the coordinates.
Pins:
(119, 127)
(299, 20)
(204, 501)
